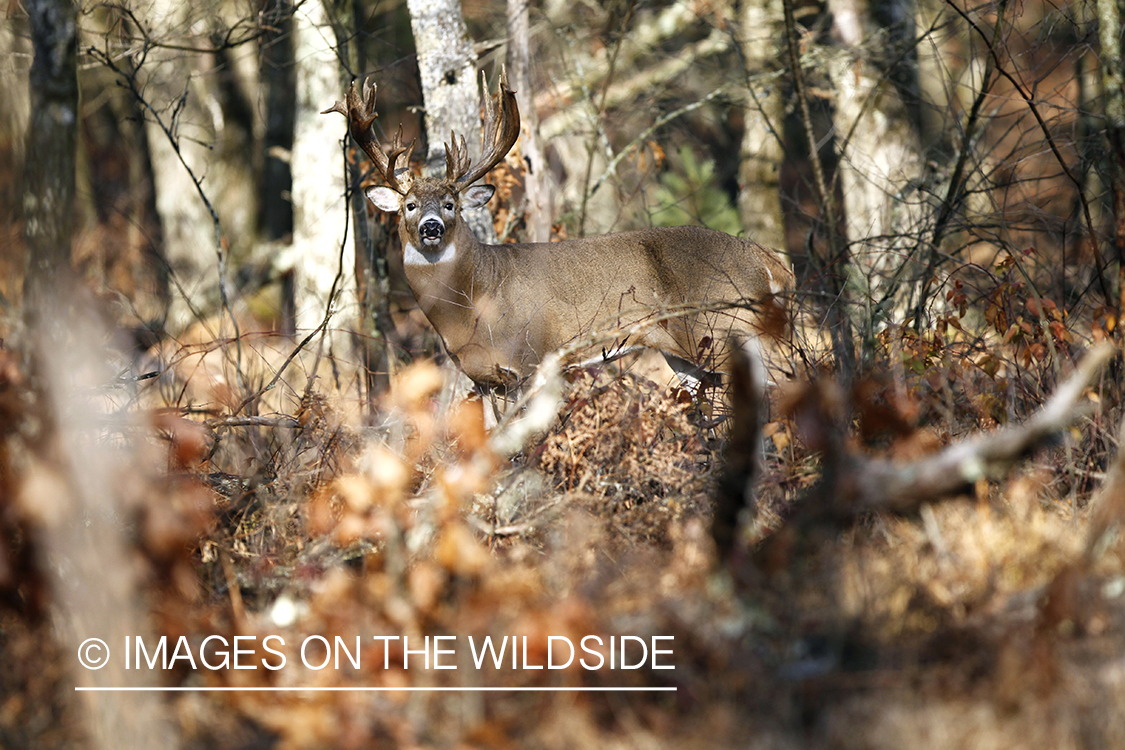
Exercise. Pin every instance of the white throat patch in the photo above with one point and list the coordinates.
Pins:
(413, 256)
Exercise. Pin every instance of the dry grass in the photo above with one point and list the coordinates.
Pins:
(929, 631)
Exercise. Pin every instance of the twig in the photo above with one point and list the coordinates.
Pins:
(611, 168)
(995, 57)
(129, 80)
(283, 421)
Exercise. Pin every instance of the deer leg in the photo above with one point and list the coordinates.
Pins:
(609, 356)
(694, 378)
(499, 395)
(491, 405)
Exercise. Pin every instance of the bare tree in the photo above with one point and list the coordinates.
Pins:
(881, 159)
(762, 151)
(319, 256)
(369, 266)
(539, 184)
(1113, 78)
(200, 128)
(52, 140)
(277, 73)
(448, 67)
(279, 86)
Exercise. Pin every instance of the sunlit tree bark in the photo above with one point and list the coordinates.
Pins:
(1113, 83)
(450, 89)
(881, 162)
(321, 257)
(200, 128)
(759, 171)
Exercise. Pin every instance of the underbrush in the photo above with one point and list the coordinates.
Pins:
(975, 618)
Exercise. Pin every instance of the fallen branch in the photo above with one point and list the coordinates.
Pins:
(866, 484)
(852, 484)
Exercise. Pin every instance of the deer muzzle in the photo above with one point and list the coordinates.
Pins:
(431, 230)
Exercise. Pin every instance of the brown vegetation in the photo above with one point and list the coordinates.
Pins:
(925, 553)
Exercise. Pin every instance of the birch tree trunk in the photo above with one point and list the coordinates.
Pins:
(321, 248)
(761, 153)
(197, 144)
(539, 185)
(447, 65)
(1113, 83)
(880, 166)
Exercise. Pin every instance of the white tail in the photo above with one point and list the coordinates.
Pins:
(501, 308)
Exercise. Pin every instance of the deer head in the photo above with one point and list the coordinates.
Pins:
(430, 207)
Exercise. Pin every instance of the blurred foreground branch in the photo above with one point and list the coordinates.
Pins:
(852, 484)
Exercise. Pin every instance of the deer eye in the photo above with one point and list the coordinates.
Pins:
(411, 206)
(448, 206)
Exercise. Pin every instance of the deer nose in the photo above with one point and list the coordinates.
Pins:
(431, 229)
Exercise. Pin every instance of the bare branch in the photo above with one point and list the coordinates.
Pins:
(865, 484)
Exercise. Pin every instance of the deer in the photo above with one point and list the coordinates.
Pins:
(500, 309)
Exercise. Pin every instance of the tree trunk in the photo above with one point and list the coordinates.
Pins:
(199, 128)
(52, 140)
(448, 68)
(320, 250)
(1113, 82)
(277, 75)
(372, 277)
(881, 163)
(539, 186)
(836, 256)
(15, 49)
(78, 539)
(761, 153)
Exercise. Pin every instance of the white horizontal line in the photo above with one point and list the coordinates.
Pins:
(374, 689)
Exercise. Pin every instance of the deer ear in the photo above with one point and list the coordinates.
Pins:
(477, 196)
(384, 199)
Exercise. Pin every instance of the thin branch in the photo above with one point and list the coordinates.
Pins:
(611, 169)
(995, 58)
(283, 421)
(128, 78)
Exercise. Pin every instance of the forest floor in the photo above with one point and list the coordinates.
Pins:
(992, 619)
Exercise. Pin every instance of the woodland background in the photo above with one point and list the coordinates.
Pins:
(219, 413)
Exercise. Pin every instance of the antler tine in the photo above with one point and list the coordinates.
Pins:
(360, 111)
(397, 149)
(501, 130)
(456, 157)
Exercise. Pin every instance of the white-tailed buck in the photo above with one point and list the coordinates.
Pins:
(501, 308)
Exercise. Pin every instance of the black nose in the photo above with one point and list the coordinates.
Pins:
(431, 228)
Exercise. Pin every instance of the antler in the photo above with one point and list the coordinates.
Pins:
(501, 129)
(360, 112)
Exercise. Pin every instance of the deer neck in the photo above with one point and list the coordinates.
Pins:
(444, 280)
